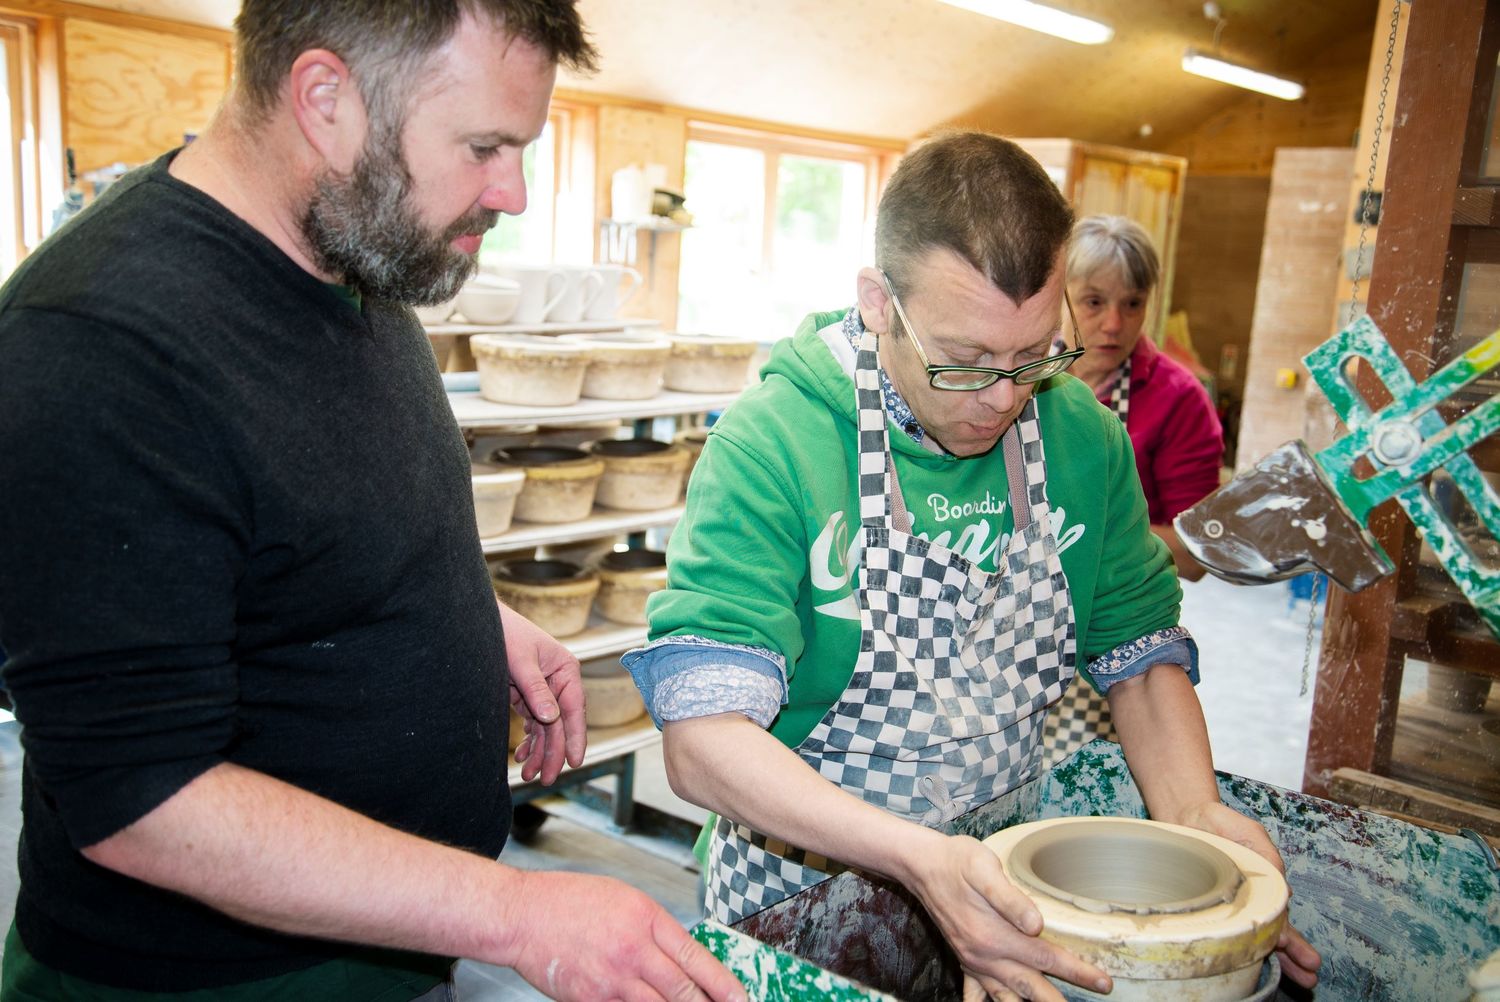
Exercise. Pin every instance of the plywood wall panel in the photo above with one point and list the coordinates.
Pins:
(643, 136)
(1298, 277)
(1218, 264)
(131, 93)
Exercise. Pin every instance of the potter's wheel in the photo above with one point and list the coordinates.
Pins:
(1170, 912)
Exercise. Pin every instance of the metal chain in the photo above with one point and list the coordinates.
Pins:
(1366, 198)
(1312, 622)
(1369, 193)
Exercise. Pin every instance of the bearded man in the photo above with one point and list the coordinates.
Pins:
(262, 675)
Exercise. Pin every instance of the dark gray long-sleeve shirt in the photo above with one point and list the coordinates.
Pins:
(235, 526)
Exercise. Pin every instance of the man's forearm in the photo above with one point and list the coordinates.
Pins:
(274, 855)
(729, 765)
(1165, 740)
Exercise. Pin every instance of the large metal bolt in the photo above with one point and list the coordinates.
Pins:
(1396, 443)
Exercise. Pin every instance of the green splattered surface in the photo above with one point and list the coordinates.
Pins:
(770, 974)
(1400, 913)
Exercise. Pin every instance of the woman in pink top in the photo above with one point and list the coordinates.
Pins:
(1112, 269)
(1179, 446)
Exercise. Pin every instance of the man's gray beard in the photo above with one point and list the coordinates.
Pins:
(361, 227)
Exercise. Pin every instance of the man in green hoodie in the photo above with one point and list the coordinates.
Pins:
(898, 550)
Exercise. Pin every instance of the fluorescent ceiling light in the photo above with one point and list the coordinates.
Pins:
(1240, 76)
(1039, 17)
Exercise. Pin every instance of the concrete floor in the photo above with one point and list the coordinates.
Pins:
(1251, 642)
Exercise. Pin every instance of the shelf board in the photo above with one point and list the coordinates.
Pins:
(581, 327)
(602, 638)
(650, 224)
(603, 522)
(606, 743)
(473, 411)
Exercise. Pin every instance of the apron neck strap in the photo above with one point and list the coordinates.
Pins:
(1119, 392)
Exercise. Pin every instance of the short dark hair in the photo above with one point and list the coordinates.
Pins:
(386, 42)
(981, 197)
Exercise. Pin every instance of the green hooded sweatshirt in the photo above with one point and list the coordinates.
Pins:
(767, 551)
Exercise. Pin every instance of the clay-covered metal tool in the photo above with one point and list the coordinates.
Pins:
(1297, 511)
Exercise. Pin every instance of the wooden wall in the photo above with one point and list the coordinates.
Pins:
(131, 93)
(1218, 265)
(128, 86)
(630, 135)
(1243, 139)
(1295, 293)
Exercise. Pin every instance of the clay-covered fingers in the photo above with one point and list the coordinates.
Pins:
(1299, 960)
(993, 926)
(640, 991)
(987, 878)
(553, 750)
(687, 971)
(544, 748)
(1017, 984)
(568, 686)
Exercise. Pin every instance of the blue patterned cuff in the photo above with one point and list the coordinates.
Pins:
(1173, 645)
(657, 669)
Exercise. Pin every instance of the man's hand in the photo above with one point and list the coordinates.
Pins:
(587, 937)
(547, 692)
(992, 925)
(1299, 961)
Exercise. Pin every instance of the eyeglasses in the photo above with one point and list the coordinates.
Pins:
(977, 377)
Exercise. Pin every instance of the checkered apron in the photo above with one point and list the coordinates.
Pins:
(956, 666)
(1082, 714)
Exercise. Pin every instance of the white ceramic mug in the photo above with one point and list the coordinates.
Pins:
(611, 297)
(583, 286)
(542, 286)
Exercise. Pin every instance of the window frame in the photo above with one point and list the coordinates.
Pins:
(878, 164)
(877, 161)
(19, 36)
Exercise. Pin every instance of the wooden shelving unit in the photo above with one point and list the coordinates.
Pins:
(473, 411)
(611, 750)
(603, 522)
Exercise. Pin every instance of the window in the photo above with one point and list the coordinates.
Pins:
(780, 227)
(558, 222)
(20, 201)
(531, 235)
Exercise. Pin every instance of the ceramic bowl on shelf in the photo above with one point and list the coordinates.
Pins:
(483, 442)
(436, 314)
(640, 474)
(624, 365)
(708, 363)
(495, 491)
(610, 696)
(627, 578)
(553, 594)
(486, 299)
(575, 434)
(561, 482)
(528, 369)
(442, 348)
(693, 440)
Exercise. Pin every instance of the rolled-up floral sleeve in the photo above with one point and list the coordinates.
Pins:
(1173, 645)
(687, 676)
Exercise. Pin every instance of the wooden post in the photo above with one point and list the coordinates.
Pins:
(1359, 674)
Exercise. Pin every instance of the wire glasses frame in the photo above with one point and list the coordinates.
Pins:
(977, 377)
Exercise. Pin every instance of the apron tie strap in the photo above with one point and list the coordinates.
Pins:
(944, 807)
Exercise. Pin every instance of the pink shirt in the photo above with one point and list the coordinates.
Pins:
(1175, 431)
